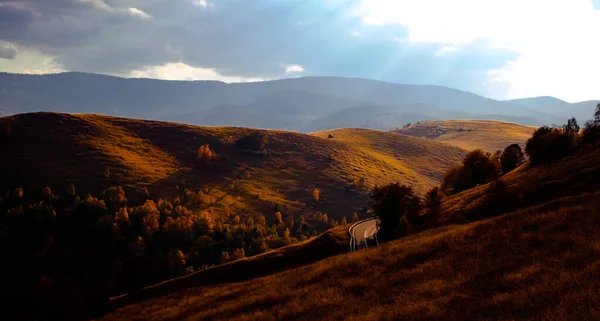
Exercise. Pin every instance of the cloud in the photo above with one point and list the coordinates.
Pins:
(139, 13)
(200, 3)
(293, 68)
(181, 71)
(8, 51)
(484, 49)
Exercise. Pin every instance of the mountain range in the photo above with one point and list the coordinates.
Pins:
(304, 104)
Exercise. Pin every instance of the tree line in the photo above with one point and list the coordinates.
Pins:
(401, 211)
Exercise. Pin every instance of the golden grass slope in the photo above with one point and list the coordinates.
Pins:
(386, 156)
(329, 243)
(49, 149)
(489, 135)
(541, 262)
(534, 264)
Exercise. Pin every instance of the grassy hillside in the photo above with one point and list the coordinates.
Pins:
(46, 149)
(329, 243)
(488, 135)
(386, 155)
(538, 262)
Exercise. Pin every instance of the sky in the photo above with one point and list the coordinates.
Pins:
(500, 49)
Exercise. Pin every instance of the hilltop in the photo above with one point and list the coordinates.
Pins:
(304, 104)
(536, 261)
(94, 152)
(471, 134)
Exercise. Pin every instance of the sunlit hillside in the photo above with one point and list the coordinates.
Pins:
(392, 157)
(538, 262)
(488, 135)
(95, 152)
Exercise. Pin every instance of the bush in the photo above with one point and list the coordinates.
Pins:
(590, 135)
(256, 140)
(511, 158)
(549, 144)
(205, 153)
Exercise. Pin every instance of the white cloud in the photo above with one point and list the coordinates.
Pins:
(139, 13)
(200, 3)
(293, 68)
(446, 50)
(181, 71)
(556, 39)
(31, 62)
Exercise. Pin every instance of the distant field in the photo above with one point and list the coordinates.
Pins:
(488, 135)
(48, 149)
(539, 262)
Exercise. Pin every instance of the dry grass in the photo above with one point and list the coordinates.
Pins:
(327, 244)
(488, 135)
(389, 157)
(571, 176)
(540, 262)
(55, 149)
(529, 265)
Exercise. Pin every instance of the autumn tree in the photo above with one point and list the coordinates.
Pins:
(344, 221)
(256, 140)
(547, 144)
(316, 194)
(238, 254)
(204, 153)
(572, 128)
(511, 158)
(392, 202)
(478, 167)
(433, 204)
(590, 135)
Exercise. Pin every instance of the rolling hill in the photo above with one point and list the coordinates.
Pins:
(580, 110)
(471, 134)
(48, 149)
(538, 261)
(302, 104)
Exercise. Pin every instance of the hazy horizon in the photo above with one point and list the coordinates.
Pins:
(285, 78)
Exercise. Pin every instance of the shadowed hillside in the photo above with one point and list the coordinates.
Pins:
(538, 262)
(95, 152)
(471, 134)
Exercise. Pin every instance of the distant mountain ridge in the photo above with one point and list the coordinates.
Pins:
(300, 104)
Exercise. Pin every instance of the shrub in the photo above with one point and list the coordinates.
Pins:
(511, 158)
(205, 153)
(256, 140)
(548, 144)
(590, 135)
